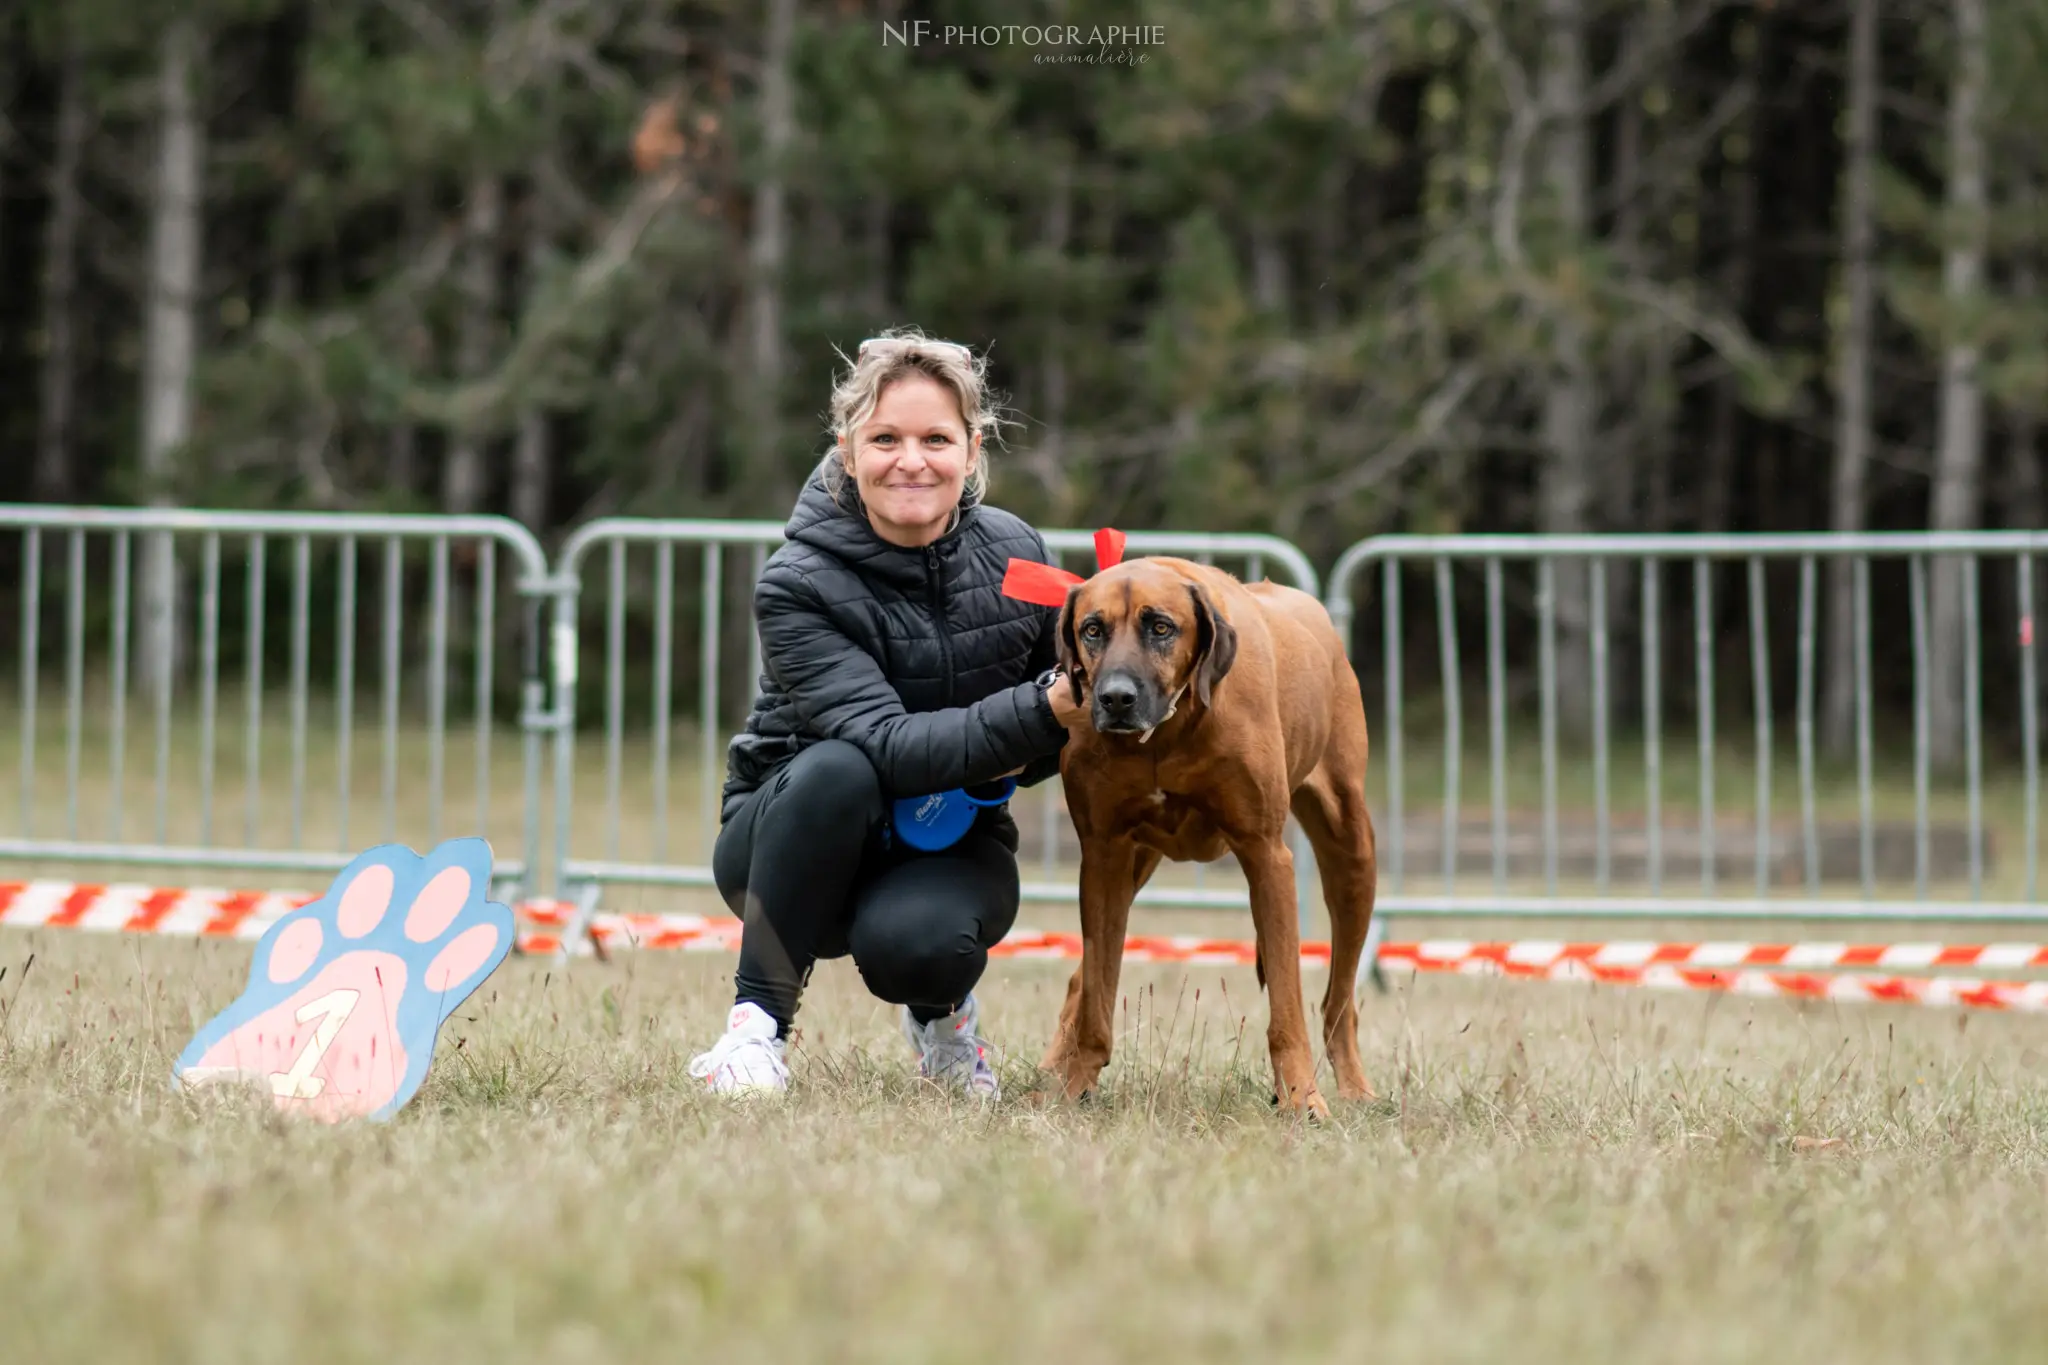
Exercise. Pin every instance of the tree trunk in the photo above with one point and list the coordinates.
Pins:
(1050, 457)
(170, 331)
(532, 470)
(1958, 468)
(769, 245)
(874, 299)
(2024, 495)
(281, 291)
(1326, 242)
(401, 461)
(2026, 504)
(463, 476)
(54, 477)
(1269, 270)
(1716, 497)
(1566, 495)
(1852, 368)
(1639, 370)
(6, 138)
(401, 440)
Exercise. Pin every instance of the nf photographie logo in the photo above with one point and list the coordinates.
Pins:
(1116, 45)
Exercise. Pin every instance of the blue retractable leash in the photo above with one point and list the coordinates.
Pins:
(930, 823)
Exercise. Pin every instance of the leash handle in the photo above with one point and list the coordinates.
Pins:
(1009, 790)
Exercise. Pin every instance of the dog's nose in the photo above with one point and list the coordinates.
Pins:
(1117, 695)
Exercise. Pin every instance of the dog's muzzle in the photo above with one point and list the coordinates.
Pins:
(1124, 706)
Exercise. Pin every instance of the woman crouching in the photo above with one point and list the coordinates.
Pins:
(893, 666)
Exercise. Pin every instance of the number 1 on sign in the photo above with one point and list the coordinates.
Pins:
(300, 1083)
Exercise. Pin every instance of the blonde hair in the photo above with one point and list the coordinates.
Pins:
(858, 391)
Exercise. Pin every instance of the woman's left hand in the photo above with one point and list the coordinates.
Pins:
(1069, 713)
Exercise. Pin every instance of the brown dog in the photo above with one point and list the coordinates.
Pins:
(1218, 707)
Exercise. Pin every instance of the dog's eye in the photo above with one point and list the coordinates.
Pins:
(1092, 631)
(1162, 627)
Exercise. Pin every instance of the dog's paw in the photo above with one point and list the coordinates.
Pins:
(347, 994)
(1053, 1087)
(1313, 1106)
(1053, 1098)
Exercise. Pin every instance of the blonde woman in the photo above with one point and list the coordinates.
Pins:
(893, 666)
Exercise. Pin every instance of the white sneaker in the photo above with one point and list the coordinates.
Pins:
(748, 1059)
(952, 1049)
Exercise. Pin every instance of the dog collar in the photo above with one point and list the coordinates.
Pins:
(1172, 705)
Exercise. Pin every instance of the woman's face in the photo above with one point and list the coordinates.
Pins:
(911, 459)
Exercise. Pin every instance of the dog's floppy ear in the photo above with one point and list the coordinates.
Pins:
(1215, 643)
(1070, 647)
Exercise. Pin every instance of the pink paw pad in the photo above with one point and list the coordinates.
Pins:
(364, 903)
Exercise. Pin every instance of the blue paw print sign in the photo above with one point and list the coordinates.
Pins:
(348, 993)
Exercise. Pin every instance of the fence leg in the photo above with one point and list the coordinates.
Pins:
(563, 651)
(1305, 880)
(533, 724)
(1375, 934)
(578, 930)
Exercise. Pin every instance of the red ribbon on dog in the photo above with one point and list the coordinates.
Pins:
(1046, 585)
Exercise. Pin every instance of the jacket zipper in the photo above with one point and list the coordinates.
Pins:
(931, 573)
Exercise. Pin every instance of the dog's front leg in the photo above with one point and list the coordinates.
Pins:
(1062, 1047)
(1108, 883)
(1269, 868)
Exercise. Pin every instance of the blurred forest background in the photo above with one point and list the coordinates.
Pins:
(1324, 268)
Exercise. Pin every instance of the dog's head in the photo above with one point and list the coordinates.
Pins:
(1141, 636)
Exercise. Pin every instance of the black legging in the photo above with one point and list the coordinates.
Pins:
(802, 863)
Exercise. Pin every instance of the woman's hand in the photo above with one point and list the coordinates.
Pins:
(1069, 713)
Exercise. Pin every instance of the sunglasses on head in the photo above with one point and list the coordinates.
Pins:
(890, 345)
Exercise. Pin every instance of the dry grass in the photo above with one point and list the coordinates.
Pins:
(1557, 1173)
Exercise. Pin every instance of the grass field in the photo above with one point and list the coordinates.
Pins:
(1555, 1173)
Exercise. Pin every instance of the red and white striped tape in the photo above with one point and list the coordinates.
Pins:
(1536, 956)
(144, 909)
(687, 933)
(700, 933)
(1501, 959)
(1812, 971)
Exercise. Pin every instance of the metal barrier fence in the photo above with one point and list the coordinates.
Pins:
(1582, 605)
(1591, 809)
(159, 586)
(644, 595)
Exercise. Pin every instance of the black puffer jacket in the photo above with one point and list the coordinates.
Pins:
(913, 656)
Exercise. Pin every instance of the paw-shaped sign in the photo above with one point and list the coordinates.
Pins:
(348, 993)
